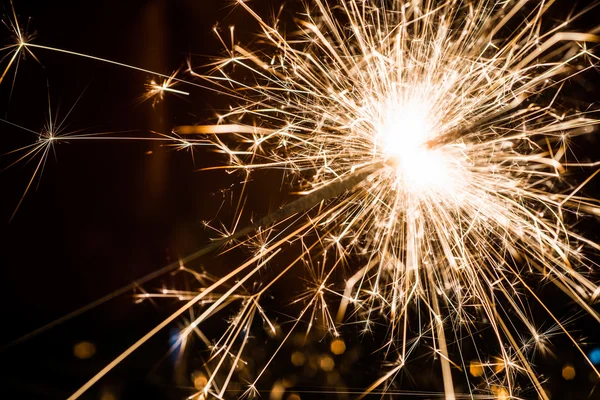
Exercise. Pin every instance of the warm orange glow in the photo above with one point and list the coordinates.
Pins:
(338, 347)
(84, 350)
(568, 372)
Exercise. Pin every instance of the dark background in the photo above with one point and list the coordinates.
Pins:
(106, 213)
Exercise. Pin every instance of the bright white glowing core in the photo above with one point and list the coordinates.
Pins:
(403, 136)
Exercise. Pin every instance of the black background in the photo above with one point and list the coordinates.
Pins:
(106, 213)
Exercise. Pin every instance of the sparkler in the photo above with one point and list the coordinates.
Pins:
(429, 144)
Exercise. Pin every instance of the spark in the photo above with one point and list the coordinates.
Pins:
(156, 90)
(430, 146)
(53, 131)
(21, 39)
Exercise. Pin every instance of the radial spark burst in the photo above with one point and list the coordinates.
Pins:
(450, 111)
(427, 144)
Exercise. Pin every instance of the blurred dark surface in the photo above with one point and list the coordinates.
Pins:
(106, 213)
